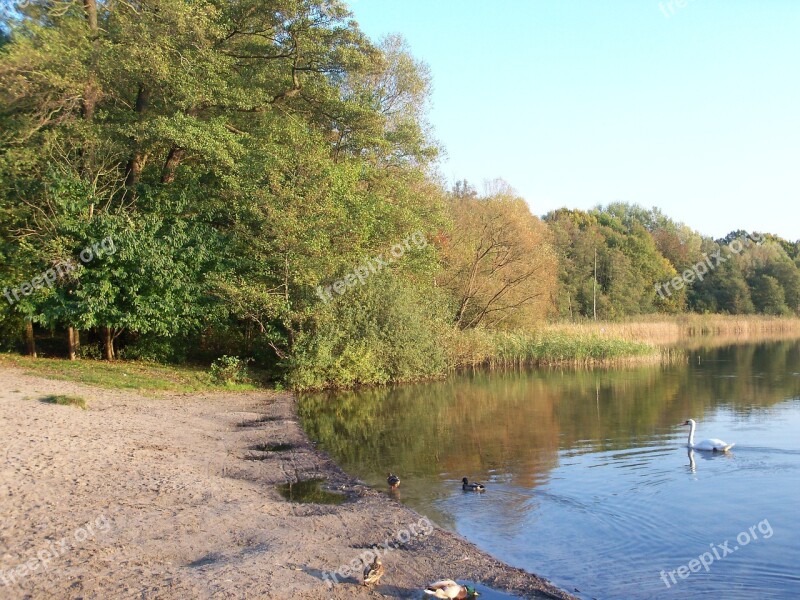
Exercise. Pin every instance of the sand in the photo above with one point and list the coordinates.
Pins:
(141, 497)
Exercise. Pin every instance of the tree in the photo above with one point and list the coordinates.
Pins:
(723, 290)
(239, 154)
(499, 264)
(768, 296)
(629, 265)
(787, 275)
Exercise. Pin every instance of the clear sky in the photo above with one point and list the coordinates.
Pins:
(695, 110)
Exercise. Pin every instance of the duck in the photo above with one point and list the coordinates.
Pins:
(374, 572)
(472, 487)
(710, 445)
(393, 481)
(449, 589)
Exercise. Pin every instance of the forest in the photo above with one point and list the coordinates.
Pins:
(179, 180)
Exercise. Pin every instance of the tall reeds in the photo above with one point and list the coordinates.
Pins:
(662, 330)
(658, 339)
(499, 349)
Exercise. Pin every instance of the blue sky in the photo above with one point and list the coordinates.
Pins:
(693, 109)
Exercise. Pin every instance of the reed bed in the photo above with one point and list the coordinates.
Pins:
(673, 331)
(543, 348)
(660, 339)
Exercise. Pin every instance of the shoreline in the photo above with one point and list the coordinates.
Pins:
(168, 498)
(563, 345)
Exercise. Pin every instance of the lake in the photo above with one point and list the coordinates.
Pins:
(589, 481)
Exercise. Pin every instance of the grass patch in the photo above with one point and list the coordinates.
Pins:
(126, 375)
(63, 400)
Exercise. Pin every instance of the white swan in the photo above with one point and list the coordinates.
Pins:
(712, 445)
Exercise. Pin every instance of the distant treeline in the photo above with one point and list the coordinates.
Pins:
(648, 263)
(185, 180)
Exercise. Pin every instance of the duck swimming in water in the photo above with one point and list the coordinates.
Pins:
(472, 487)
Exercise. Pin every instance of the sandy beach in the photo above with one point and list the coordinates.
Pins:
(141, 497)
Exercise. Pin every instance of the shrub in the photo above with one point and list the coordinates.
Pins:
(230, 370)
(382, 332)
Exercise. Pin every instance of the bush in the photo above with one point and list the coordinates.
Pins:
(230, 370)
(11, 328)
(382, 332)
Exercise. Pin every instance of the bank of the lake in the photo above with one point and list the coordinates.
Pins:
(643, 340)
(177, 497)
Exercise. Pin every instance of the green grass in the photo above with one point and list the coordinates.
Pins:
(127, 375)
(62, 400)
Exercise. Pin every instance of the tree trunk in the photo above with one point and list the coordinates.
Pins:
(135, 168)
(89, 102)
(90, 92)
(569, 301)
(594, 287)
(108, 343)
(175, 156)
(30, 341)
(138, 160)
(90, 7)
(73, 342)
(173, 160)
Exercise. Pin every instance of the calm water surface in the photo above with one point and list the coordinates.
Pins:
(589, 480)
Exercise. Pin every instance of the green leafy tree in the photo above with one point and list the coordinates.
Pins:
(768, 296)
(628, 264)
(239, 154)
